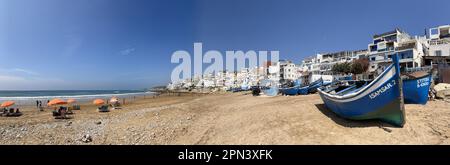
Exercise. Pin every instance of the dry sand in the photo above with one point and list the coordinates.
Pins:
(231, 118)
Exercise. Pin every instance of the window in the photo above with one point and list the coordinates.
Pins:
(406, 54)
(372, 59)
(434, 31)
(438, 53)
(373, 66)
(373, 48)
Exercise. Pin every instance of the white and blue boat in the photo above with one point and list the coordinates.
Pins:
(380, 99)
(292, 90)
(303, 90)
(415, 90)
(312, 88)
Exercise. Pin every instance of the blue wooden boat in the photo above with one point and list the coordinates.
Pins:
(236, 89)
(380, 99)
(415, 90)
(295, 90)
(312, 88)
(290, 90)
(303, 90)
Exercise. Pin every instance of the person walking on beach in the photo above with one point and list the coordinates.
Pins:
(37, 103)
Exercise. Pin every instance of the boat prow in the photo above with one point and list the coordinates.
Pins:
(315, 85)
(381, 99)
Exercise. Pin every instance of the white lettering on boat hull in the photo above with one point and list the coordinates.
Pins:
(382, 90)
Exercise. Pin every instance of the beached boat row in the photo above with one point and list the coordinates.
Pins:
(298, 89)
(382, 98)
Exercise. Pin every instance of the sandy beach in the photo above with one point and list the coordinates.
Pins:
(225, 118)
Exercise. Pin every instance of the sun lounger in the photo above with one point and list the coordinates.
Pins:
(63, 117)
(11, 112)
(61, 114)
(15, 114)
(115, 105)
(103, 108)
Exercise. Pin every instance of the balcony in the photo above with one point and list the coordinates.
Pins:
(438, 42)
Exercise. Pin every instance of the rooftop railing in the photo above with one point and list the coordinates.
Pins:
(425, 68)
(438, 42)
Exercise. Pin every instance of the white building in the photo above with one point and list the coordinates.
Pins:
(439, 46)
(410, 50)
(288, 70)
(320, 66)
(273, 72)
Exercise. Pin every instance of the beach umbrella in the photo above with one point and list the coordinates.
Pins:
(70, 101)
(99, 101)
(56, 102)
(114, 100)
(7, 103)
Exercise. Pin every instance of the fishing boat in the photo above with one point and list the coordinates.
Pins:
(416, 87)
(290, 90)
(312, 88)
(380, 99)
(269, 88)
(303, 90)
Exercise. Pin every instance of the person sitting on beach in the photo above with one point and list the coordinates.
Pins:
(5, 111)
(17, 110)
(60, 110)
(60, 113)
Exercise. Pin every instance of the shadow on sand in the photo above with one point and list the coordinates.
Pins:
(351, 123)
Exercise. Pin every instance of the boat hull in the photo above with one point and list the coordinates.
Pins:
(313, 87)
(382, 99)
(415, 91)
(303, 90)
(290, 91)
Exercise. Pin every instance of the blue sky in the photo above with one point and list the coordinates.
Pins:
(127, 44)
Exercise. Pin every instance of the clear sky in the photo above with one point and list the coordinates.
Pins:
(127, 44)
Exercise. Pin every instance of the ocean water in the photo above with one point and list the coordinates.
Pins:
(30, 97)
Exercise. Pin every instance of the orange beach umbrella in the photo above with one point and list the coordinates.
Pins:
(99, 101)
(56, 102)
(7, 103)
(70, 101)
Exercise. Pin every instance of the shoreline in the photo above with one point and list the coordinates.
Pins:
(225, 118)
(31, 100)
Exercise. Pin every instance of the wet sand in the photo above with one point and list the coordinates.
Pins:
(227, 118)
